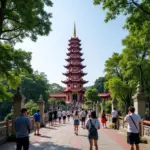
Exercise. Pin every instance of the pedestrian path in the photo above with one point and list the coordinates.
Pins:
(62, 137)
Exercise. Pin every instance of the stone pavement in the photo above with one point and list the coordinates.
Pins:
(61, 137)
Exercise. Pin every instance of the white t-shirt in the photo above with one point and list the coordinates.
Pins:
(95, 122)
(83, 114)
(131, 126)
(64, 113)
(89, 112)
(59, 114)
(114, 114)
(76, 117)
(68, 113)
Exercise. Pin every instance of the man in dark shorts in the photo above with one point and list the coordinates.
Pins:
(83, 117)
(134, 121)
(114, 118)
(55, 116)
(50, 117)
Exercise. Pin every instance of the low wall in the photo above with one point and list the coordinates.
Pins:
(6, 127)
(144, 127)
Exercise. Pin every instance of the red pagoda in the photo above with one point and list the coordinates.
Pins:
(74, 90)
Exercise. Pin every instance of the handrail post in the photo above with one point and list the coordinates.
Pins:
(7, 128)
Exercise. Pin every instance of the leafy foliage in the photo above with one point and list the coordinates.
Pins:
(20, 19)
(13, 63)
(99, 84)
(108, 105)
(33, 85)
(31, 106)
(55, 88)
(91, 95)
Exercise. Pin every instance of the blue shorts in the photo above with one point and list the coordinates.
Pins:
(59, 118)
(90, 137)
(76, 122)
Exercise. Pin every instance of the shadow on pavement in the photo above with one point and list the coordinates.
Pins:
(43, 136)
(50, 128)
(39, 146)
(83, 135)
(50, 146)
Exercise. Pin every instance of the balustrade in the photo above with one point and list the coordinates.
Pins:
(6, 127)
(145, 125)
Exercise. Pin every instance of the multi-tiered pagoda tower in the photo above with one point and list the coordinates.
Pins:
(74, 90)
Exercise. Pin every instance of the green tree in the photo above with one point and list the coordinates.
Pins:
(13, 63)
(91, 95)
(55, 88)
(20, 19)
(31, 106)
(108, 105)
(117, 82)
(127, 7)
(99, 84)
(33, 85)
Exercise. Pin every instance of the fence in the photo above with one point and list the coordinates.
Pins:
(144, 127)
(6, 127)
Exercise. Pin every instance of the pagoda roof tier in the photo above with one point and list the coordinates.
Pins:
(74, 65)
(74, 48)
(74, 39)
(74, 58)
(74, 81)
(69, 89)
(74, 73)
(74, 44)
(68, 54)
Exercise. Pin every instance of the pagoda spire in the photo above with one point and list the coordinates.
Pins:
(74, 34)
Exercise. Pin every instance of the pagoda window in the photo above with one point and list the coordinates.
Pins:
(75, 77)
(75, 85)
(74, 69)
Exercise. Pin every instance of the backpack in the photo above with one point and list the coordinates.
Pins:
(92, 130)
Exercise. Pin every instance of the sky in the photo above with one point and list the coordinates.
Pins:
(99, 39)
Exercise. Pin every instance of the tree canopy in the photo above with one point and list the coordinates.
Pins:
(91, 95)
(99, 84)
(20, 19)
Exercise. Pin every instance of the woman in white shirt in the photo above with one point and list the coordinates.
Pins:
(93, 125)
(76, 122)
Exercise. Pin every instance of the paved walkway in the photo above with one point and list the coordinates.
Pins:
(61, 137)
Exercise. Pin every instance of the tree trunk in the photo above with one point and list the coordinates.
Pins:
(2, 14)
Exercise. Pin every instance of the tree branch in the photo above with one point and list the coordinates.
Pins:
(140, 7)
(15, 29)
(11, 38)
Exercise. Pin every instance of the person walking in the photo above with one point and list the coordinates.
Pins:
(37, 123)
(55, 116)
(83, 117)
(50, 117)
(22, 126)
(103, 119)
(134, 120)
(92, 126)
(114, 118)
(68, 115)
(64, 116)
(59, 116)
(76, 122)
